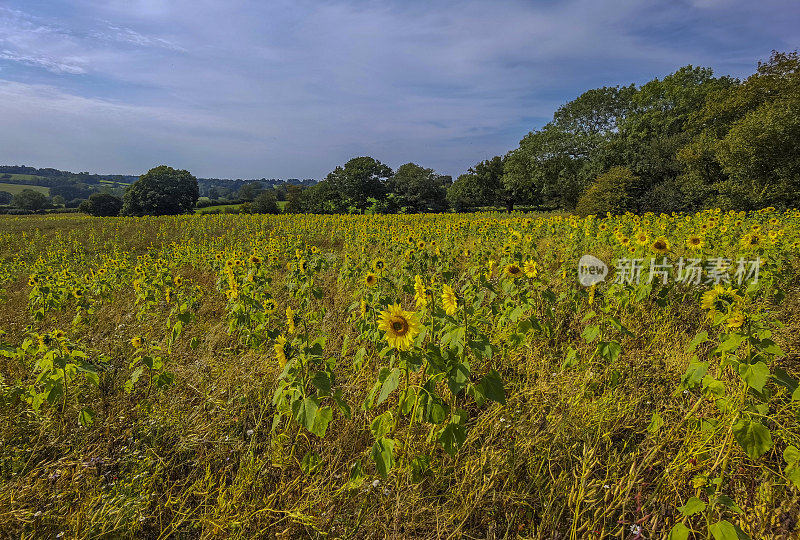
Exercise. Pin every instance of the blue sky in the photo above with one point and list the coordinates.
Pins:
(251, 89)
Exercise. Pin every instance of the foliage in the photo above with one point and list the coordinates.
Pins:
(29, 199)
(102, 204)
(610, 193)
(161, 191)
(265, 203)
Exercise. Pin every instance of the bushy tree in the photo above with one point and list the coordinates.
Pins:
(101, 205)
(6, 197)
(161, 191)
(28, 199)
(481, 186)
(347, 188)
(418, 189)
(265, 203)
(611, 192)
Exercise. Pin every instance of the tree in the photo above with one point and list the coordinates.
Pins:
(161, 191)
(250, 191)
(611, 192)
(265, 203)
(481, 186)
(58, 200)
(5, 197)
(419, 189)
(294, 200)
(350, 186)
(102, 205)
(29, 199)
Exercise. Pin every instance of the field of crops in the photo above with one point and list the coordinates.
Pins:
(430, 376)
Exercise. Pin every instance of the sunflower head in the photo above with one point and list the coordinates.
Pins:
(751, 241)
(255, 260)
(531, 269)
(378, 265)
(400, 326)
(660, 245)
(137, 341)
(280, 350)
(695, 242)
(449, 300)
(513, 270)
(269, 305)
(720, 301)
(371, 279)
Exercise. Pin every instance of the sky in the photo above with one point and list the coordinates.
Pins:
(291, 89)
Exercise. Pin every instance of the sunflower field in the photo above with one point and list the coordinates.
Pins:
(401, 376)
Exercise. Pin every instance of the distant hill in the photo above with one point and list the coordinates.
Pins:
(78, 186)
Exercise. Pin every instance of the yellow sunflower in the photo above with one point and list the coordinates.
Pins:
(695, 242)
(137, 341)
(449, 300)
(660, 245)
(378, 265)
(400, 326)
(751, 241)
(290, 319)
(419, 292)
(280, 350)
(513, 270)
(736, 320)
(530, 268)
(720, 300)
(269, 305)
(371, 279)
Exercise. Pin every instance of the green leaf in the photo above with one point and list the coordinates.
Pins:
(491, 386)
(305, 410)
(457, 378)
(726, 501)
(732, 343)
(382, 425)
(753, 437)
(86, 417)
(610, 350)
(692, 507)
(702, 337)
(655, 423)
(755, 375)
(321, 421)
(389, 385)
(679, 532)
(452, 437)
(383, 455)
(590, 333)
(323, 382)
(724, 530)
(356, 477)
(796, 394)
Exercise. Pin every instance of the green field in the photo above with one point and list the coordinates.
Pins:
(18, 188)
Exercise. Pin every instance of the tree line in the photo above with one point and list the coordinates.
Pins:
(682, 143)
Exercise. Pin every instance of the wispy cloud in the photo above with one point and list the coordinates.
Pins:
(293, 88)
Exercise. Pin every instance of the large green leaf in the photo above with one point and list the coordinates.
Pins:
(389, 385)
(383, 455)
(755, 375)
(753, 436)
(491, 386)
(692, 507)
(679, 532)
(452, 437)
(321, 421)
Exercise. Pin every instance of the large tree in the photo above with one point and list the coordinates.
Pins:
(102, 204)
(29, 199)
(481, 186)
(161, 191)
(348, 187)
(419, 189)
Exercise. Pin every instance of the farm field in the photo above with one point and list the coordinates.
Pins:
(401, 376)
(19, 188)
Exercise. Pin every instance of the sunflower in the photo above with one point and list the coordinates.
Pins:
(421, 244)
(660, 245)
(302, 265)
(269, 305)
(178, 281)
(290, 319)
(530, 268)
(751, 241)
(137, 341)
(449, 300)
(513, 270)
(280, 350)
(419, 292)
(720, 300)
(362, 308)
(641, 238)
(371, 279)
(255, 260)
(400, 326)
(32, 282)
(736, 319)
(695, 242)
(78, 293)
(378, 265)
(59, 334)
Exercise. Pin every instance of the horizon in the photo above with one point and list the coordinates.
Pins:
(292, 90)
